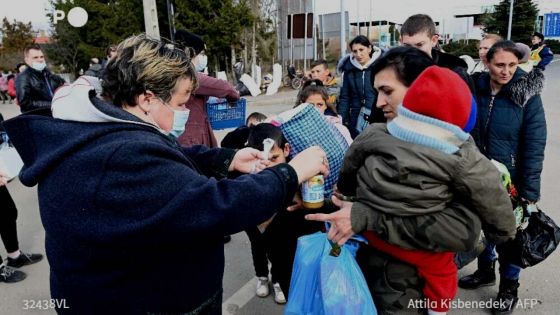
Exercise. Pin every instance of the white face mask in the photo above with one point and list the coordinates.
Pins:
(39, 66)
(202, 62)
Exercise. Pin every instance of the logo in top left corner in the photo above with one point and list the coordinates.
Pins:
(77, 16)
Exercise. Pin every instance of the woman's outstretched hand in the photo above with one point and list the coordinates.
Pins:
(341, 224)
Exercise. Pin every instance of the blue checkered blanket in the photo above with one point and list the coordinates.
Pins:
(308, 128)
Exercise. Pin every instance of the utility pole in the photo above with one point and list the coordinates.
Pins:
(510, 18)
(324, 55)
(305, 37)
(170, 19)
(467, 31)
(151, 19)
(358, 17)
(342, 30)
(280, 27)
(370, 19)
(315, 35)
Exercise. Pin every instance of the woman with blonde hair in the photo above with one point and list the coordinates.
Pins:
(134, 222)
(485, 43)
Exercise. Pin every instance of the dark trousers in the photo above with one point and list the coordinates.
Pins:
(4, 96)
(281, 237)
(260, 253)
(8, 216)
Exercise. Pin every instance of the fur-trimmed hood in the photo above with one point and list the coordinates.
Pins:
(348, 62)
(527, 86)
(522, 87)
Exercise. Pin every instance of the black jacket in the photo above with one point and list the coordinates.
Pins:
(455, 64)
(357, 91)
(513, 132)
(447, 61)
(35, 89)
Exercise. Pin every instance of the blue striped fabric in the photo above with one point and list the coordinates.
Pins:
(308, 128)
(399, 131)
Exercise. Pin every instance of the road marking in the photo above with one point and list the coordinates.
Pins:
(240, 298)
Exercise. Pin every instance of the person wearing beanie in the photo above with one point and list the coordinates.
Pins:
(414, 166)
(541, 55)
(524, 63)
(188, 40)
(198, 129)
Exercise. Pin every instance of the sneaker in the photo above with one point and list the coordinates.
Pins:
(262, 287)
(278, 294)
(10, 275)
(24, 259)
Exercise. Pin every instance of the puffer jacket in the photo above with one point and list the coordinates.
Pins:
(333, 90)
(94, 70)
(357, 93)
(389, 175)
(511, 128)
(541, 56)
(35, 89)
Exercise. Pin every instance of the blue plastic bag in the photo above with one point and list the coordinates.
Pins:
(327, 285)
(304, 297)
(343, 287)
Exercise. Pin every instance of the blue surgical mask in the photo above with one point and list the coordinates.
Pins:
(39, 66)
(202, 62)
(180, 118)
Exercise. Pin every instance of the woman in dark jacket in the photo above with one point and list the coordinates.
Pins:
(357, 96)
(134, 222)
(512, 130)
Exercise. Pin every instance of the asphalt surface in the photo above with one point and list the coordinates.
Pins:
(540, 285)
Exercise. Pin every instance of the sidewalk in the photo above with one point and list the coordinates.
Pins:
(285, 96)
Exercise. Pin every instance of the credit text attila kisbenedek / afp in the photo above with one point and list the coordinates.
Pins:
(469, 304)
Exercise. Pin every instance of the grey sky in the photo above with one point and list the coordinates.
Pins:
(33, 11)
(399, 10)
(395, 10)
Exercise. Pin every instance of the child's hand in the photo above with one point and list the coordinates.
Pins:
(3, 179)
(298, 203)
(262, 227)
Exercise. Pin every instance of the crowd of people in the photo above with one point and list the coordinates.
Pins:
(418, 129)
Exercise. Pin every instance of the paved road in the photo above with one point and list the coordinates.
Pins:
(540, 284)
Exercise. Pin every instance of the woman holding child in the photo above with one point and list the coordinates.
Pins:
(411, 180)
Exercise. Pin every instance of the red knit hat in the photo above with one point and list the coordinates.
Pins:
(441, 94)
